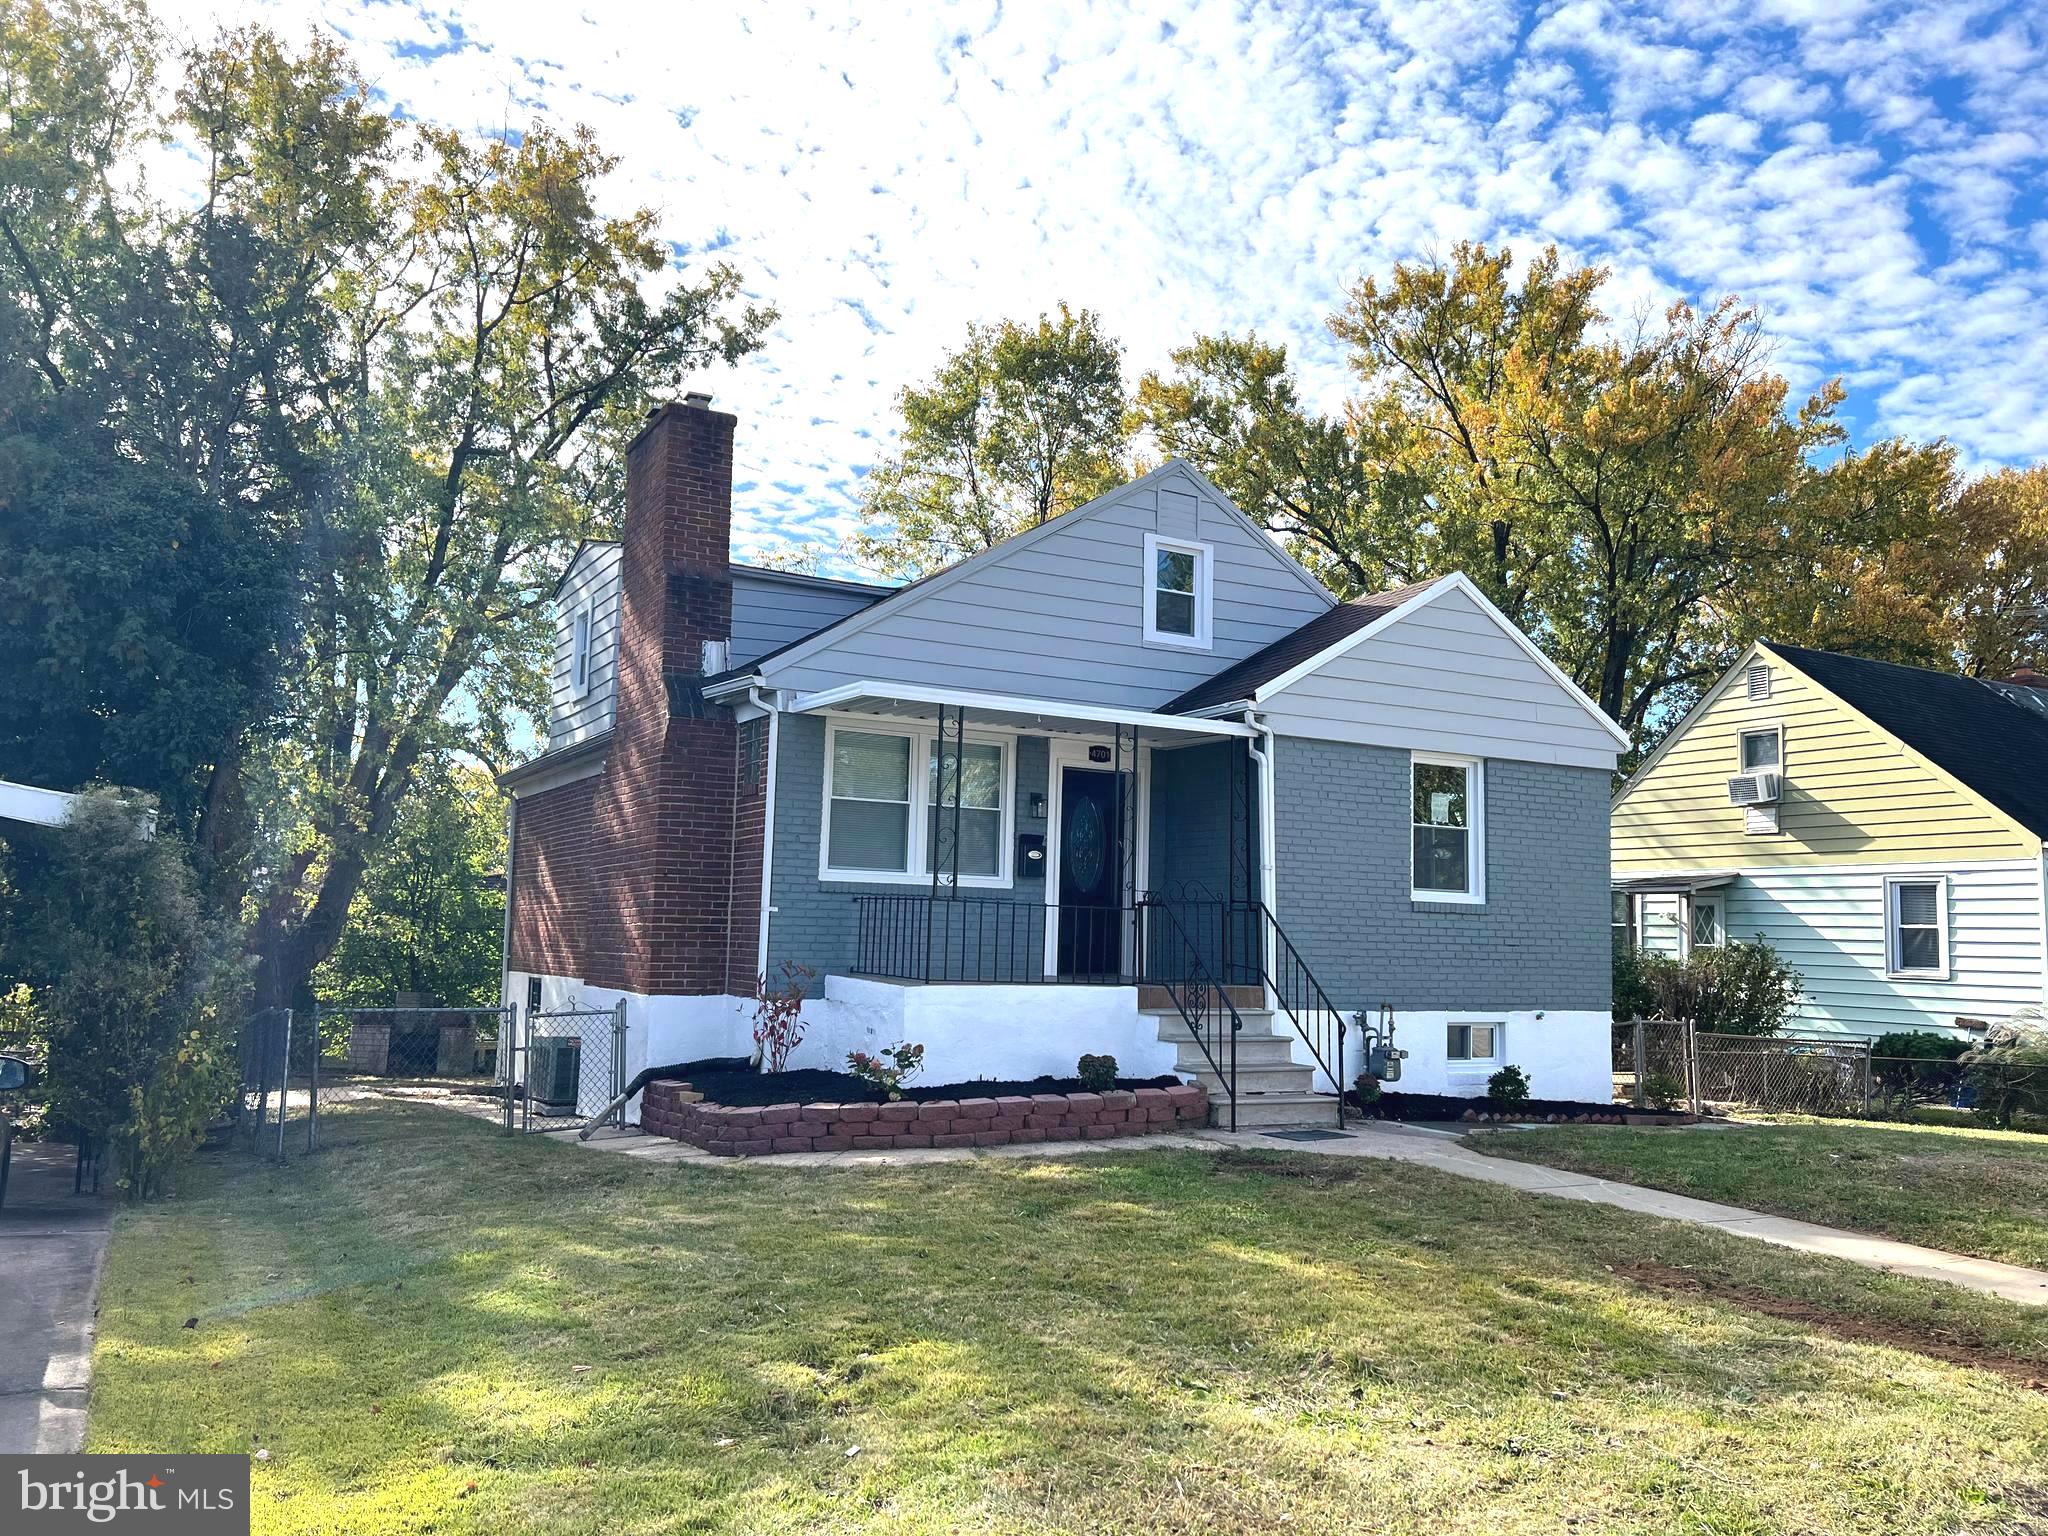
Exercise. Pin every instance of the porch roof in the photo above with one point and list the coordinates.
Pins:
(914, 701)
(1682, 882)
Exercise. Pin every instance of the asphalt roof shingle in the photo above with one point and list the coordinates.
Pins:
(1241, 679)
(1993, 742)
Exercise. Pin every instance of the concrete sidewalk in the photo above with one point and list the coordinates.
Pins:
(51, 1244)
(1444, 1151)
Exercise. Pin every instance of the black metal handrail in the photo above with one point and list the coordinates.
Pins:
(1203, 1002)
(1245, 944)
(992, 941)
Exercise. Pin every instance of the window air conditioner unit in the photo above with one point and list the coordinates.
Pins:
(556, 1072)
(1753, 789)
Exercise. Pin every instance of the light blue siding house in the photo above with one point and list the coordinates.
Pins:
(1135, 782)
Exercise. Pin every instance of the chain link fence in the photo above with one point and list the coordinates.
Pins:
(1654, 1064)
(565, 1067)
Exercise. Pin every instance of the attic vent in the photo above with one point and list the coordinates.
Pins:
(1760, 681)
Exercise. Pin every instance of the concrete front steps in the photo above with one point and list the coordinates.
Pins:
(1274, 1092)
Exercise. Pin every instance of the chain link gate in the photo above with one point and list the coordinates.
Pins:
(565, 1066)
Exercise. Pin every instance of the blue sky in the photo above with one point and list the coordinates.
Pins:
(1870, 175)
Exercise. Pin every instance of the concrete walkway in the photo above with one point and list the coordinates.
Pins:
(51, 1244)
(1441, 1150)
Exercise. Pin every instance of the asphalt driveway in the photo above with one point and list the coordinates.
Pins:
(51, 1244)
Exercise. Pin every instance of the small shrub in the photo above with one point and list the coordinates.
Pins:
(889, 1071)
(1508, 1087)
(2008, 1071)
(1097, 1073)
(1916, 1066)
(1367, 1087)
(1730, 989)
(1663, 1092)
(778, 1015)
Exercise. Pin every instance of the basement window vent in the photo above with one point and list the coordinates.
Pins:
(1759, 681)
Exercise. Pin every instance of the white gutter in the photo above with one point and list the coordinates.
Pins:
(774, 714)
(38, 807)
(1261, 750)
(1000, 704)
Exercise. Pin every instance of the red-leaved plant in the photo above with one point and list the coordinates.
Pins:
(778, 1015)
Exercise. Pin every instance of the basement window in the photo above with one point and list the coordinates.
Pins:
(1476, 1044)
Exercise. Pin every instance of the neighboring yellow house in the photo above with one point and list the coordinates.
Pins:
(1881, 826)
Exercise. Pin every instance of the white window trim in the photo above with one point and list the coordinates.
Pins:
(1760, 730)
(582, 646)
(1477, 1064)
(1892, 968)
(921, 736)
(1693, 907)
(1205, 592)
(1475, 806)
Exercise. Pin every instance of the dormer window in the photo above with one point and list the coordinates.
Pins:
(579, 653)
(1177, 592)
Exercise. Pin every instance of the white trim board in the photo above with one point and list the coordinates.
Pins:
(996, 703)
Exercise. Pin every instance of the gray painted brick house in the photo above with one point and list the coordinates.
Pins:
(1130, 782)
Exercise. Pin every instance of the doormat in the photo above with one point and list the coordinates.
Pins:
(1311, 1135)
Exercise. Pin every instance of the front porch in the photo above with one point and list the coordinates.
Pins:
(1055, 878)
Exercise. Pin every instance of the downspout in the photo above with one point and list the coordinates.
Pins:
(511, 868)
(1261, 748)
(774, 714)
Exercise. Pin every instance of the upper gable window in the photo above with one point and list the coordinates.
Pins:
(1178, 585)
(579, 653)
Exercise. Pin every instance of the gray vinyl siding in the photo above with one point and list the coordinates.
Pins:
(1342, 837)
(1829, 925)
(1445, 679)
(1061, 615)
(771, 609)
(816, 923)
(593, 580)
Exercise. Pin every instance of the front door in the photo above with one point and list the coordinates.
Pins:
(1091, 874)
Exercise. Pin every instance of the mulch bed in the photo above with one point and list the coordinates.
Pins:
(1443, 1106)
(749, 1088)
(1951, 1345)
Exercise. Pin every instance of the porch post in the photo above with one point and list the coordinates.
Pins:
(1127, 921)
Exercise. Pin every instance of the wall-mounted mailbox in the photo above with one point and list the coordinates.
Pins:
(1031, 855)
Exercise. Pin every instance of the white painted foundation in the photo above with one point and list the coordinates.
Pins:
(1568, 1053)
(968, 1032)
(1005, 1033)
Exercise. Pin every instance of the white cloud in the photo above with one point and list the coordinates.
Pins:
(1869, 175)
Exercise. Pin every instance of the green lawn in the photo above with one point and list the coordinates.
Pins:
(1972, 1191)
(431, 1328)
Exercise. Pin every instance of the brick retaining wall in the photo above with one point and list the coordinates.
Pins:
(726, 1130)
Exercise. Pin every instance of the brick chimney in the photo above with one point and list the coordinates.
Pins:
(2027, 677)
(662, 820)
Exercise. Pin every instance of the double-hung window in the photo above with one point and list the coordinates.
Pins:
(886, 788)
(1447, 859)
(1178, 591)
(1916, 928)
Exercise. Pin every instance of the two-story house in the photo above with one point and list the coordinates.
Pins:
(1131, 782)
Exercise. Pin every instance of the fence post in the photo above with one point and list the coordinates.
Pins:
(313, 1083)
(1868, 1047)
(1692, 1064)
(284, 1079)
(508, 1056)
(1641, 1100)
(619, 1060)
